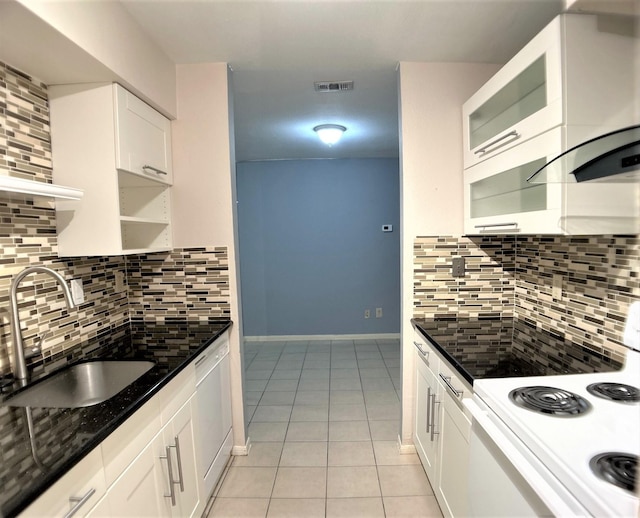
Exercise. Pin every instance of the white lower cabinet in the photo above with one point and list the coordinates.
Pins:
(427, 439)
(140, 490)
(162, 480)
(453, 467)
(442, 429)
(74, 494)
(147, 467)
(180, 446)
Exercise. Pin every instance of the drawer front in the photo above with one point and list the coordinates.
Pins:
(80, 489)
(522, 100)
(425, 352)
(453, 383)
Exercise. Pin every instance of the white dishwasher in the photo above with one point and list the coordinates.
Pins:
(213, 397)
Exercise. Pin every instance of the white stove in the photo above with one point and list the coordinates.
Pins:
(553, 452)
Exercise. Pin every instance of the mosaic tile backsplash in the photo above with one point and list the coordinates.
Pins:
(598, 278)
(188, 283)
(506, 275)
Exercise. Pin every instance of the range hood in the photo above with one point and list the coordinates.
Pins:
(610, 158)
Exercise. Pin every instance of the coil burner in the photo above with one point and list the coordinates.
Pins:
(615, 392)
(550, 400)
(618, 469)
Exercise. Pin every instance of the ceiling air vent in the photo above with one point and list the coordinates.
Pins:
(333, 86)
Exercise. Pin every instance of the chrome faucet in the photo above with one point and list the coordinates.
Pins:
(20, 365)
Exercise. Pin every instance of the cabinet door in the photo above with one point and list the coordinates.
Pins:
(143, 138)
(454, 459)
(522, 100)
(498, 198)
(141, 490)
(427, 427)
(179, 436)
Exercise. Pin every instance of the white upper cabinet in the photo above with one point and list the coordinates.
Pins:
(117, 149)
(577, 71)
(498, 198)
(574, 81)
(143, 138)
(522, 100)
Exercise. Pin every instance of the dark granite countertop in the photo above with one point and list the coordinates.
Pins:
(507, 347)
(64, 436)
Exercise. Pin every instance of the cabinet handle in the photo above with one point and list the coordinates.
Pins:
(500, 140)
(424, 353)
(447, 381)
(179, 459)
(428, 408)
(172, 491)
(154, 169)
(79, 502)
(483, 228)
(433, 417)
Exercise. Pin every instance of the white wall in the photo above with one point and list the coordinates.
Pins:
(95, 38)
(431, 190)
(203, 192)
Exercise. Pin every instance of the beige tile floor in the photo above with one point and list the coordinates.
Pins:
(324, 420)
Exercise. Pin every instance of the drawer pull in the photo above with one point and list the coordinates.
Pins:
(424, 353)
(447, 381)
(433, 417)
(512, 135)
(153, 169)
(179, 459)
(172, 491)
(428, 408)
(79, 502)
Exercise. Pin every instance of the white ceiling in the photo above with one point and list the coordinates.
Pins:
(277, 49)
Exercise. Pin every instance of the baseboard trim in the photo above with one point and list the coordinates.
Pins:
(242, 450)
(406, 449)
(297, 338)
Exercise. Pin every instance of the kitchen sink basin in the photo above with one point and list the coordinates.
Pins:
(80, 385)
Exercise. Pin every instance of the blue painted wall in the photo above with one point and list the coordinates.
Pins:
(313, 255)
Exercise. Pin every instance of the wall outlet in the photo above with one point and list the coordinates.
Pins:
(120, 285)
(367, 313)
(77, 293)
(556, 290)
(457, 267)
(378, 312)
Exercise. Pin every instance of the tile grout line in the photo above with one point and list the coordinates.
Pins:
(284, 440)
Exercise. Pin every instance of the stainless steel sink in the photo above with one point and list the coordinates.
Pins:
(82, 384)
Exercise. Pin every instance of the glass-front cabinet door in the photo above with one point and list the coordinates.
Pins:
(522, 100)
(498, 198)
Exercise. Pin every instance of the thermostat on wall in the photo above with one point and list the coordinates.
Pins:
(387, 228)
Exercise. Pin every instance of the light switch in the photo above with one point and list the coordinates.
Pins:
(387, 228)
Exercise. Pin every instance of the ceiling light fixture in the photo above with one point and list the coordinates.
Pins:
(330, 134)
